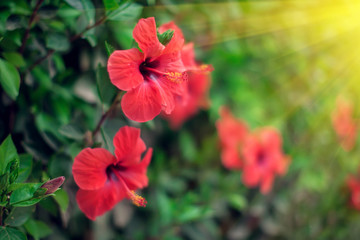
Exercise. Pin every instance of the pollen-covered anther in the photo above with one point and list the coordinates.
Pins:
(177, 77)
(138, 200)
(206, 68)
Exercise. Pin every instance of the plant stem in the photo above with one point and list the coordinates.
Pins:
(48, 54)
(31, 20)
(1, 215)
(97, 23)
(106, 114)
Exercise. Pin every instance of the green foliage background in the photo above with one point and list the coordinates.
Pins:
(274, 66)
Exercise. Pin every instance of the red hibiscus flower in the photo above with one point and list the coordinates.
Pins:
(197, 88)
(152, 77)
(258, 154)
(232, 133)
(354, 187)
(105, 179)
(344, 124)
(263, 159)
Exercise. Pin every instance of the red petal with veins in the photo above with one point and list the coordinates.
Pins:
(128, 146)
(142, 103)
(146, 36)
(135, 175)
(89, 168)
(123, 68)
(96, 202)
(188, 55)
(171, 63)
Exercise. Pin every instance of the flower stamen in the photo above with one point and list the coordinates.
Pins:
(206, 68)
(177, 77)
(137, 199)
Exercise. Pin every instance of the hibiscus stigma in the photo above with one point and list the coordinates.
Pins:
(137, 200)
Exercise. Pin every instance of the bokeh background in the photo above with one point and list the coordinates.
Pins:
(276, 63)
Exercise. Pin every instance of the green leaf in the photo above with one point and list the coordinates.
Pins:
(9, 79)
(106, 89)
(86, 6)
(62, 198)
(25, 167)
(8, 153)
(110, 4)
(237, 201)
(60, 165)
(187, 146)
(165, 37)
(109, 49)
(90, 37)
(30, 202)
(23, 192)
(14, 58)
(13, 167)
(58, 42)
(107, 141)
(19, 215)
(4, 181)
(125, 12)
(7, 233)
(190, 214)
(72, 132)
(37, 229)
(3, 17)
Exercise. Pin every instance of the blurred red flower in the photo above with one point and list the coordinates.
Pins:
(153, 77)
(354, 187)
(105, 179)
(197, 86)
(259, 153)
(232, 133)
(345, 125)
(263, 158)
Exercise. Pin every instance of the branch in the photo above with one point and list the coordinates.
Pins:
(97, 23)
(31, 20)
(75, 37)
(106, 114)
(48, 54)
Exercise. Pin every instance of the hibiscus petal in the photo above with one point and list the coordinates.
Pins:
(166, 90)
(146, 36)
(128, 145)
(142, 103)
(95, 203)
(188, 55)
(251, 175)
(135, 176)
(123, 68)
(230, 158)
(171, 62)
(231, 131)
(271, 139)
(267, 183)
(177, 41)
(185, 108)
(199, 85)
(89, 168)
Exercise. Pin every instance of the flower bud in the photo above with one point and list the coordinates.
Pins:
(53, 184)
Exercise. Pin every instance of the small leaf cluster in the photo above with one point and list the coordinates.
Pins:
(18, 198)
